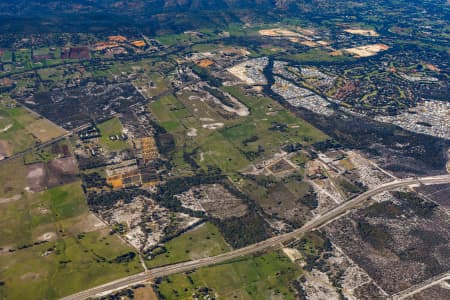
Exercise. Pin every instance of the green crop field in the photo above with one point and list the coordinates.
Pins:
(264, 277)
(203, 241)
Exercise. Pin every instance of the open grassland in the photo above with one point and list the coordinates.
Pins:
(70, 264)
(234, 142)
(21, 129)
(265, 277)
(206, 34)
(316, 55)
(32, 215)
(13, 133)
(50, 244)
(150, 75)
(54, 74)
(44, 130)
(45, 154)
(109, 128)
(264, 114)
(202, 241)
(13, 183)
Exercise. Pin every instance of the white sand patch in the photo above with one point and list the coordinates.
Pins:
(292, 253)
(213, 126)
(192, 132)
(207, 120)
(10, 199)
(48, 236)
(6, 128)
(364, 32)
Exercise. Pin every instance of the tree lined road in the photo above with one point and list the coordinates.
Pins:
(272, 243)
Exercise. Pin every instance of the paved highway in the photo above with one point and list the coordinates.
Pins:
(272, 243)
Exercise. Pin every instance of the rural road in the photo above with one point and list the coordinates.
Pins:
(43, 145)
(272, 243)
(421, 286)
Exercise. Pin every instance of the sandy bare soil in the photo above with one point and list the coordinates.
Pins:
(367, 50)
(364, 32)
(36, 177)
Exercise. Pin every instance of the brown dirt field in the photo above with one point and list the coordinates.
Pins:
(309, 44)
(36, 177)
(86, 222)
(61, 171)
(220, 203)
(432, 68)
(367, 50)
(145, 293)
(30, 276)
(204, 63)
(117, 38)
(79, 53)
(138, 43)
(280, 167)
(275, 32)
(44, 130)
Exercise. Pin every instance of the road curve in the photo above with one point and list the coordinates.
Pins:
(271, 243)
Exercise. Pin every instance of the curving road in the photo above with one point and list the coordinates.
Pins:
(272, 243)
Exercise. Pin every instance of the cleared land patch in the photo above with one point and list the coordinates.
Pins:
(215, 200)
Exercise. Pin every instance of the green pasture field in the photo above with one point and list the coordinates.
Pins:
(231, 148)
(202, 241)
(264, 277)
(14, 137)
(112, 127)
(70, 264)
(78, 249)
(24, 220)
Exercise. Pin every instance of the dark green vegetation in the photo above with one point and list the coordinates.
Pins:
(289, 199)
(237, 231)
(313, 246)
(390, 237)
